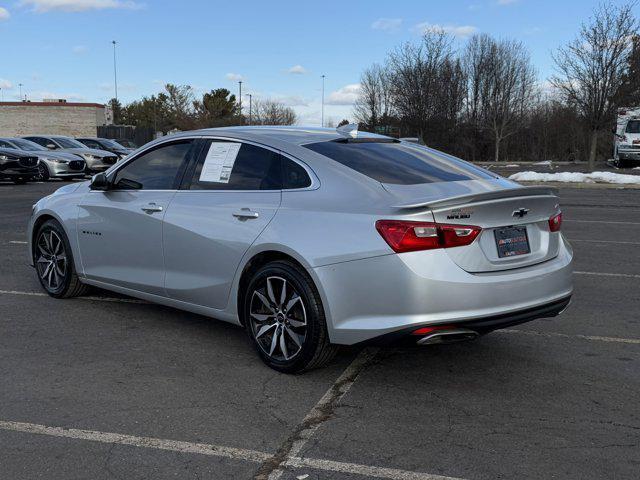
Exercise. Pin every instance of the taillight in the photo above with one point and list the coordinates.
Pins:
(555, 223)
(407, 236)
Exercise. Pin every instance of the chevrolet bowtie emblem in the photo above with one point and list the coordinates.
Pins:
(520, 212)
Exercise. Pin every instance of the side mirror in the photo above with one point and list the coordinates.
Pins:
(51, 146)
(99, 182)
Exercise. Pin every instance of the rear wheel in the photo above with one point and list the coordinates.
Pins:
(284, 317)
(53, 259)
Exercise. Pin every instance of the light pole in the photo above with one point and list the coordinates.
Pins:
(1, 97)
(250, 100)
(322, 120)
(115, 74)
(20, 86)
(240, 97)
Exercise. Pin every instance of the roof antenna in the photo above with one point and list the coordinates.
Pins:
(349, 129)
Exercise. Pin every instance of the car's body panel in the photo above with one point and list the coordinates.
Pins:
(204, 243)
(16, 164)
(193, 253)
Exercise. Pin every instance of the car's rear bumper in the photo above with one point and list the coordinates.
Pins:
(374, 297)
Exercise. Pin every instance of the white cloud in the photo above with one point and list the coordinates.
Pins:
(41, 6)
(291, 100)
(387, 24)
(5, 84)
(297, 70)
(79, 49)
(234, 77)
(346, 95)
(460, 31)
(4, 14)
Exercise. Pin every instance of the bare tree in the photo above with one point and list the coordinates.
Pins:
(374, 101)
(591, 68)
(501, 86)
(271, 112)
(416, 76)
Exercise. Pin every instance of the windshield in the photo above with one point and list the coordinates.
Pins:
(69, 142)
(126, 143)
(27, 145)
(110, 143)
(399, 163)
(633, 126)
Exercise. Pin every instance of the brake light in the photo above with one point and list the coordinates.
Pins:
(408, 236)
(555, 223)
(428, 330)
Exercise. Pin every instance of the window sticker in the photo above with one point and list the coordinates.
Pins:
(219, 162)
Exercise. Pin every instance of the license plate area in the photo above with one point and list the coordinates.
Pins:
(512, 241)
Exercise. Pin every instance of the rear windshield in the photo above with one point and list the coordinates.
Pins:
(399, 163)
(633, 126)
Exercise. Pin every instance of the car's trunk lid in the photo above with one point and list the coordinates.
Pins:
(492, 205)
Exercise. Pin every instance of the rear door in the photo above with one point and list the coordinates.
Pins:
(230, 195)
(120, 230)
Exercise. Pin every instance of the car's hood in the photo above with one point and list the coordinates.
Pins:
(89, 151)
(59, 155)
(16, 153)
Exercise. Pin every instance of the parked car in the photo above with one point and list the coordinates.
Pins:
(52, 164)
(626, 148)
(105, 144)
(96, 160)
(17, 166)
(310, 238)
(127, 143)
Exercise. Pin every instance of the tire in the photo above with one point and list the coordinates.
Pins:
(53, 259)
(269, 323)
(43, 172)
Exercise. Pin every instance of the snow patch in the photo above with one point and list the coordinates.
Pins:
(513, 165)
(576, 177)
(546, 162)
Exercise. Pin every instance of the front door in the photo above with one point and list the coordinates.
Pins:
(120, 230)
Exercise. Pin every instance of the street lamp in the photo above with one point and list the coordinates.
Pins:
(322, 120)
(115, 75)
(250, 97)
(20, 86)
(240, 97)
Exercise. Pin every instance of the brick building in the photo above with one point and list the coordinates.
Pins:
(53, 117)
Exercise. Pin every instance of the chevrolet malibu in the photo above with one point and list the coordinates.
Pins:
(310, 239)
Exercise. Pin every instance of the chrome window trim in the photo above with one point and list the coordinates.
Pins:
(113, 170)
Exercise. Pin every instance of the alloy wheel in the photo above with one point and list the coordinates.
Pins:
(278, 319)
(51, 259)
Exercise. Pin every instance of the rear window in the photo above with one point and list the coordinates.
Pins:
(633, 126)
(399, 163)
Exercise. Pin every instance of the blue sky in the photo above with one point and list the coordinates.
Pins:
(62, 48)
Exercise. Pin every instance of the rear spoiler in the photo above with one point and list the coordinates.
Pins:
(480, 197)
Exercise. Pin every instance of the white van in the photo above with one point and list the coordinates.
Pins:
(626, 150)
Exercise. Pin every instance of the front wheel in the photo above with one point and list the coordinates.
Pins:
(43, 172)
(285, 320)
(53, 260)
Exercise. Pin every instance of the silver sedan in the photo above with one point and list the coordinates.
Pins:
(52, 164)
(310, 239)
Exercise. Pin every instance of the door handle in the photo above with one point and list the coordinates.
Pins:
(151, 208)
(245, 214)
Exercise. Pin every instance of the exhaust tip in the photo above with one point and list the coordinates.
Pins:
(446, 335)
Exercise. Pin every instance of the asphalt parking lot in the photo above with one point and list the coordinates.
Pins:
(106, 387)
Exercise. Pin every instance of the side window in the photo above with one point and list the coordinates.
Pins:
(4, 144)
(254, 168)
(92, 144)
(154, 170)
(38, 140)
(293, 175)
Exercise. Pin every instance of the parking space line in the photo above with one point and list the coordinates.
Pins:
(605, 274)
(232, 453)
(595, 338)
(321, 412)
(17, 242)
(95, 299)
(135, 441)
(603, 241)
(364, 470)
